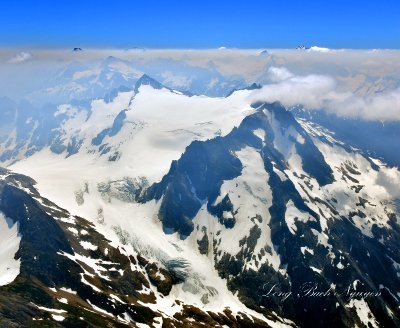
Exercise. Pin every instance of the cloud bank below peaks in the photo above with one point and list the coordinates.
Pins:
(20, 58)
(320, 92)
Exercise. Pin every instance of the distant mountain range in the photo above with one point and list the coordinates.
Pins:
(86, 80)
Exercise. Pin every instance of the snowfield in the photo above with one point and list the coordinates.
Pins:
(9, 245)
(159, 125)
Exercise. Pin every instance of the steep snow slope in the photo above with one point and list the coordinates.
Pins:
(157, 127)
(9, 245)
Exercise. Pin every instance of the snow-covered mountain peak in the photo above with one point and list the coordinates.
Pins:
(147, 80)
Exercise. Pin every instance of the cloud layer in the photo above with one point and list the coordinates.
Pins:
(388, 179)
(320, 92)
(20, 57)
(351, 83)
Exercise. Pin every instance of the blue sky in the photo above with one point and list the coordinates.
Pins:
(200, 24)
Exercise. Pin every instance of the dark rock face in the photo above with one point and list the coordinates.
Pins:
(147, 80)
(189, 182)
(34, 224)
(196, 178)
(115, 128)
(253, 86)
(203, 242)
(160, 278)
(313, 161)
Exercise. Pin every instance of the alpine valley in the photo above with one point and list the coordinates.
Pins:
(152, 207)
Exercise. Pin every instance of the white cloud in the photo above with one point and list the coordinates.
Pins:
(388, 178)
(20, 57)
(278, 74)
(307, 90)
(320, 92)
(319, 49)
